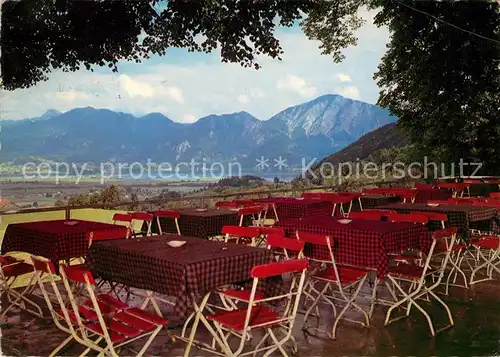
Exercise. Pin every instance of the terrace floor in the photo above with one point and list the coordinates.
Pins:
(476, 333)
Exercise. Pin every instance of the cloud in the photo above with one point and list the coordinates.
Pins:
(349, 92)
(189, 118)
(257, 93)
(135, 88)
(296, 84)
(342, 77)
(243, 98)
(176, 94)
(71, 95)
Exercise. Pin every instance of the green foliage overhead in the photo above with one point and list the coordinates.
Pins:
(38, 36)
(443, 83)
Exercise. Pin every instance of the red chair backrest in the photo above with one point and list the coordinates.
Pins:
(279, 268)
(313, 238)
(495, 195)
(250, 210)
(371, 191)
(432, 216)
(366, 215)
(444, 233)
(244, 203)
(229, 204)
(352, 194)
(424, 186)
(457, 186)
(411, 218)
(45, 266)
(250, 232)
(77, 274)
(122, 217)
(271, 230)
(278, 241)
(168, 213)
(312, 195)
(142, 216)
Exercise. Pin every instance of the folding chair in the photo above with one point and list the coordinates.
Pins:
(343, 282)
(312, 195)
(262, 313)
(241, 235)
(414, 278)
(169, 214)
(11, 270)
(115, 323)
(408, 256)
(142, 216)
(254, 211)
(45, 274)
(269, 222)
(266, 231)
(124, 218)
(226, 204)
(494, 195)
(283, 249)
(424, 186)
(433, 216)
(366, 215)
(487, 257)
(354, 195)
(409, 196)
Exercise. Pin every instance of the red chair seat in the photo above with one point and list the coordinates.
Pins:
(7, 260)
(441, 247)
(118, 331)
(243, 295)
(348, 275)
(17, 269)
(488, 243)
(260, 315)
(147, 316)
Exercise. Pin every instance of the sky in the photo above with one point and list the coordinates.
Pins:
(187, 86)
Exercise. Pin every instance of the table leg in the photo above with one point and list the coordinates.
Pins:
(200, 318)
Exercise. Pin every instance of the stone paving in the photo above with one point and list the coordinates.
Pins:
(476, 333)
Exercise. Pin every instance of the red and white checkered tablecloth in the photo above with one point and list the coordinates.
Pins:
(290, 207)
(56, 240)
(361, 243)
(372, 201)
(196, 268)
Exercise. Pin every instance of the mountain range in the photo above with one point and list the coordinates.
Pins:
(310, 130)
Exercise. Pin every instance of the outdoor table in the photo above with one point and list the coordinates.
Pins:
(57, 240)
(462, 216)
(192, 270)
(361, 243)
(197, 223)
(291, 207)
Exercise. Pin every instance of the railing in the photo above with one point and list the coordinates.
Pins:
(200, 201)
